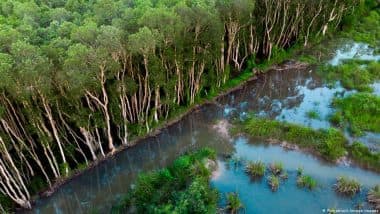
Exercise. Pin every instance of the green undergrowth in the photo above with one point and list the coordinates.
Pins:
(353, 74)
(366, 29)
(182, 187)
(329, 143)
(359, 112)
(363, 156)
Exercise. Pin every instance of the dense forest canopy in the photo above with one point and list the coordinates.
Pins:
(78, 77)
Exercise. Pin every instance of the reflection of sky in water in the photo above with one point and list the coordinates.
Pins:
(376, 88)
(257, 196)
(317, 100)
(354, 51)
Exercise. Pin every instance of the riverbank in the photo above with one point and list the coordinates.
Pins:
(246, 77)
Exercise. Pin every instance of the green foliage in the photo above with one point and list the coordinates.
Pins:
(274, 182)
(233, 202)
(373, 196)
(329, 143)
(6, 203)
(347, 186)
(308, 59)
(276, 168)
(313, 114)
(366, 29)
(353, 74)
(181, 188)
(306, 181)
(255, 169)
(362, 155)
(361, 111)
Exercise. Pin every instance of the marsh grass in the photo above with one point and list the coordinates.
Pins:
(347, 186)
(255, 169)
(306, 181)
(360, 111)
(373, 197)
(329, 143)
(274, 182)
(313, 115)
(364, 157)
(276, 168)
(353, 74)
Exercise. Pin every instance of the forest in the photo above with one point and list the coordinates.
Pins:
(80, 79)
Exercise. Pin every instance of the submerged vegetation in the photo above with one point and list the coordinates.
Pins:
(361, 111)
(329, 143)
(347, 186)
(181, 188)
(81, 78)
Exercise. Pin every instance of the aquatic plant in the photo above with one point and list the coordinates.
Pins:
(373, 197)
(353, 74)
(233, 203)
(362, 155)
(306, 181)
(276, 168)
(183, 187)
(360, 112)
(329, 143)
(274, 182)
(313, 114)
(300, 170)
(347, 186)
(284, 175)
(255, 169)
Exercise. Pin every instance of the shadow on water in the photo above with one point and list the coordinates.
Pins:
(283, 95)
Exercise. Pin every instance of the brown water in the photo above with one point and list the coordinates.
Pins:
(285, 95)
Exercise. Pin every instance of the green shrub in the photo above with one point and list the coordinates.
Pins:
(181, 188)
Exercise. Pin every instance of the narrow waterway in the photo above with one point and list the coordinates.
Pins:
(284, 95)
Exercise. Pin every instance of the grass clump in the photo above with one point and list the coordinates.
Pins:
(306, 181)
(233, 203)
(329, 143)
(367, 29)
(347, 186)
(364, 157)
(313, 115)
(276, 168)
(274, 182)
(373, 197)
(353, 74)
(360, 111)
(181, 188)
(255, 169)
